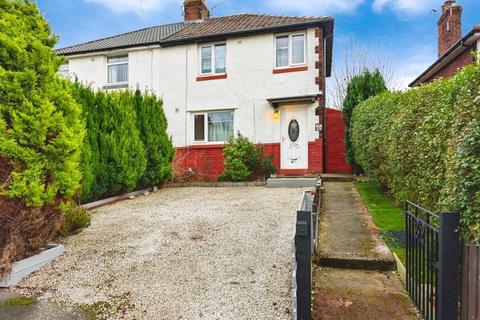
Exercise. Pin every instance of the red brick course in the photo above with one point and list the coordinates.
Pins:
(206, 162)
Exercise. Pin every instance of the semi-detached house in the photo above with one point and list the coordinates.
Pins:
(260, 75)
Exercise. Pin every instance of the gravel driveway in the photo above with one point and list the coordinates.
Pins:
(194, 253)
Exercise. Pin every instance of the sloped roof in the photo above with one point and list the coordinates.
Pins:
(241, 23)
(171, 34)
(130, 39)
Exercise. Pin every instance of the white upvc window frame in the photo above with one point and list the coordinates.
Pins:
(213, 57)
(205, 124)
(290, 49)
(64, 68)
(109, 64)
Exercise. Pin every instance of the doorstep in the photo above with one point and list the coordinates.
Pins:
(291, 182)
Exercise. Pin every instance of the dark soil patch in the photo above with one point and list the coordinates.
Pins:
(395, 237)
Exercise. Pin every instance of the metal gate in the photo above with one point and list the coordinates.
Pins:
(433, 261)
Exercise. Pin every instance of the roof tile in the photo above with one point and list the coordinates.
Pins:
(192, 30)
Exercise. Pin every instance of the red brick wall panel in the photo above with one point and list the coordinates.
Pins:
(206, 163)
(336, 161)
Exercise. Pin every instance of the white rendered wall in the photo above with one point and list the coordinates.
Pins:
(171, 73)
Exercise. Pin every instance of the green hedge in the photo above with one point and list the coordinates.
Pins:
(424, 145)
(41, 132)
(126, 145)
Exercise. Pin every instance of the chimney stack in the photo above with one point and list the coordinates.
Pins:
(195, 10)
(449, 26)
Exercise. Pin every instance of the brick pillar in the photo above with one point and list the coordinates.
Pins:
(320, 82)
(195, 10)
(449, 26)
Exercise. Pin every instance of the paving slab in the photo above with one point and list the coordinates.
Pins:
(343, 294)
(348, 237)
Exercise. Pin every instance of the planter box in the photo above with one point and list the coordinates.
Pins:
(23, 268)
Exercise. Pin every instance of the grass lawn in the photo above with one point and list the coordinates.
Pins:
(386, 214)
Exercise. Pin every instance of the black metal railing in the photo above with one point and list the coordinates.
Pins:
(304, 246)
(433, 261)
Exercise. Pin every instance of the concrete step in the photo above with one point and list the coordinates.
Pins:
(291, 182)
(343, 294)
(383, 263)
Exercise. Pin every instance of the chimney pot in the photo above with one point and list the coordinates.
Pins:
(195, 10)
(449, 26)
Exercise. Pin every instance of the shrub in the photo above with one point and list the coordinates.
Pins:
(424, 145)
(40, 134)
(126, 145)
(359, 89)
(152, 124)
(74, 219)
(244, 160)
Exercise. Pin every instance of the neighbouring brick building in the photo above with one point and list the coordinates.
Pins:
(454, 52)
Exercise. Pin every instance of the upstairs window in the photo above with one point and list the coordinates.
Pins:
(213, 59)
(117, 70)
(213, 126)
(290, 50)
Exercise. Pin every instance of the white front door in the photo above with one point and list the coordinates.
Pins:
(294, 147)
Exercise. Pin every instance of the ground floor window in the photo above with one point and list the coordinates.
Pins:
(213, 126)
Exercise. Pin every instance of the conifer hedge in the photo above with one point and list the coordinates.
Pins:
(126, 146)
(424, 145)
(40, 134)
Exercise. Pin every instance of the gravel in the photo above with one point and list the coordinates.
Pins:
(194, 253)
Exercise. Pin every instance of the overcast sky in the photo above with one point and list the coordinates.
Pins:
(404, 31)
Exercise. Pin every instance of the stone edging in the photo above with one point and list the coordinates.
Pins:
(215, 184)
(99, 203)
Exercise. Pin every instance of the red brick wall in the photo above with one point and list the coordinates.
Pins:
(450, 69)
(203, 163)
(206, 163)
(335, 143)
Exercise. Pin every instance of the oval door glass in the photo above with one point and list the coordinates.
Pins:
(293, 130)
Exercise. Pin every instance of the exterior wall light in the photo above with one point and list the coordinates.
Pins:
(276, 114)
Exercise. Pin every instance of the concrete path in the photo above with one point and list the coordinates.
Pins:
(352, 280)
(348, 236)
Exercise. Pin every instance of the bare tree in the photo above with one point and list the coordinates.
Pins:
(357, 57)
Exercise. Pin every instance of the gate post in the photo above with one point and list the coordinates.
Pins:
(303, 243)
(449, 266)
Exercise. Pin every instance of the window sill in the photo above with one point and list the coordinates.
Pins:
(207, 145)
(116, 86)
(290, 69)
(212, 77)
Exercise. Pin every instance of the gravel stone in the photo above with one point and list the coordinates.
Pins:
(192, 253)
